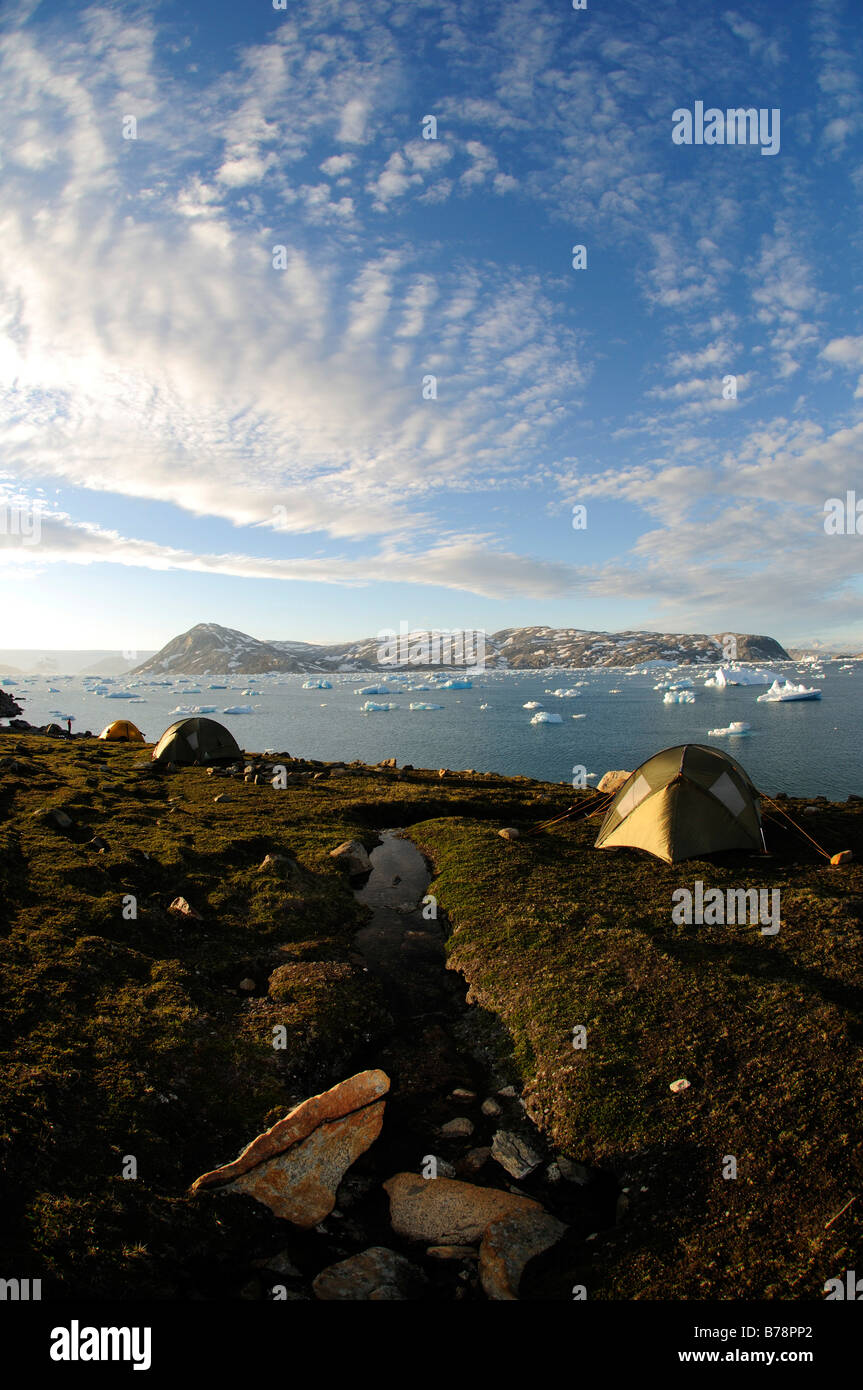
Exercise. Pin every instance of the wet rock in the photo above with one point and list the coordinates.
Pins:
(509, 833)
(352, 855)
(514, 1154)
(377, 1275)
(461, 1094)
(443, 1212)
(508, 1244)
(490, 1107)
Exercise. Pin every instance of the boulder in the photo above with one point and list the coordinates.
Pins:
(353, 1097)
(378, 1274)
(509, 833)
(441, 1211)
(300, 1185)
(507, 1245)
(612, 781)
(352, 855)
(514, 1154)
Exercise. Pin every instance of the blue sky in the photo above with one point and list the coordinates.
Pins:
(205, 436)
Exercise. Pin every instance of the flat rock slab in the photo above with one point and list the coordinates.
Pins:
(440, 1211)
(514, 1154)
(300, 1184)
(508, 1244)
(377, 1275)
(357, 1091)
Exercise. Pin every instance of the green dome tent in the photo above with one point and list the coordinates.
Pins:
(682, 803)
(197, 740)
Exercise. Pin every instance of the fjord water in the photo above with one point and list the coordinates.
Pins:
(805, 749)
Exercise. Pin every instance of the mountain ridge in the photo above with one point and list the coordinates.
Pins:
(209, 648)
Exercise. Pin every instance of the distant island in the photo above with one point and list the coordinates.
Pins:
(211, 649)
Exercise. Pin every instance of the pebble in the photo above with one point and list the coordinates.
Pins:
(490, 1107)
(459, 1128)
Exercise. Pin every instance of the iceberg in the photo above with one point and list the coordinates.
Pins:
(371, 708)
(456, 685)
(238, 709)
(738, 675)
(418, 704)
(678, 697)
(781, 692)
(533, 704)
(564, 694)
(738, 728)
(543, 717)
(378, 690)
(307, 685)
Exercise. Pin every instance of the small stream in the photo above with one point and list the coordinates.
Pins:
(440, 1044)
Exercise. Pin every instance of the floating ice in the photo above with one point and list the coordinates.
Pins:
(307, 685)
(371, 708)
(738, 675)
(456, 685)
(543, 717)
(781, 692)
(533, 704)
(737, 728)
(418, 704)
(238, 709)
(678, 697)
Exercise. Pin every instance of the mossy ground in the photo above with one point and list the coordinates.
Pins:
(131, 1037)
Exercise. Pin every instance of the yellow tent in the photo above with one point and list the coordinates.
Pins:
(122, 731)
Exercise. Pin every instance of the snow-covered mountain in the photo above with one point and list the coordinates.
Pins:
(211, 649)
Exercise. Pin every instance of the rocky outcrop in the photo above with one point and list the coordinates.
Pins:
(295, 1167)
(441, 1211)
(8, 707)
